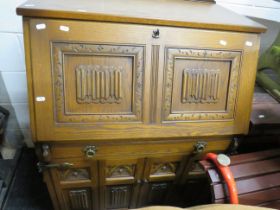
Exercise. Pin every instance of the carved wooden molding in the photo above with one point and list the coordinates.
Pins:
(200, 85)
(60, 49)
(79, 199)
(200, 54)
(99, 84)
(154, 82)
(120, 171)
(74, 174)
(164, 168)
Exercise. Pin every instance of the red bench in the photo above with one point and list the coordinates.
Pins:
(257, 177)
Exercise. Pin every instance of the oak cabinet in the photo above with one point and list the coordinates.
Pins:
(147, 88)
(124, 98)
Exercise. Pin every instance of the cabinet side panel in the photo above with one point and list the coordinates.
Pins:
(27, 48)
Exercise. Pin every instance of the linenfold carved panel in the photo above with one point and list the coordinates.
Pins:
(79, 199)
(99, 84)
(118, 197)
(200, 85)
(89, 86)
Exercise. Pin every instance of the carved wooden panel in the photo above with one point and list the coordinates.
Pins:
(118, 196)
(74, 174)
(200, 84)
(97, 82)
(120, 171)
(164, 168)
(80, 199)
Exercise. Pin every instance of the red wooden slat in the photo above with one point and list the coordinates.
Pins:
(250, 185)
(249, 169)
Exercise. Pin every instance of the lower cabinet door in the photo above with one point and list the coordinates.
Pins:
(120, 182)
(75, 184)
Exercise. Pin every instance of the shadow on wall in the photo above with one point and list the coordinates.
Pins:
(13, 137)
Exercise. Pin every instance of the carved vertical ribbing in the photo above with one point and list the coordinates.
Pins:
(154, 81)
(98, 84)
(200, 86)
(79, 199)
(118, 197)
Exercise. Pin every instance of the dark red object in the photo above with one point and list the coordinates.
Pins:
(227, 176)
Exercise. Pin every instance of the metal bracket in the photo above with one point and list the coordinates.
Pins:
(43, 166)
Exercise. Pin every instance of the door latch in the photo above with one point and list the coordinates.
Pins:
(43, 166)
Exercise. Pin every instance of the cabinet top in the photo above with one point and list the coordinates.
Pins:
(179, 13)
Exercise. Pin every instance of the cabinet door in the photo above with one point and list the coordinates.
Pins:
(89, 80)
(75, 186)
(160, 175)
(119, 183)
(207, 81)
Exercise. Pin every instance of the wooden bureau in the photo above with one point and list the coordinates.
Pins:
(125, 96)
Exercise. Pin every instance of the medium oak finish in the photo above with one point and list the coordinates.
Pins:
(125, 99)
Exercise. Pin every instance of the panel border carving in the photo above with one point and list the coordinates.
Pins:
(60, 49)
(171, 53)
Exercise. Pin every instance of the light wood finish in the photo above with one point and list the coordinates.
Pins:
(134, 112)
(120, 113)
(167, 13)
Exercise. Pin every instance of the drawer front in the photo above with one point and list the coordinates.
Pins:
(115, 81)
(141, 149)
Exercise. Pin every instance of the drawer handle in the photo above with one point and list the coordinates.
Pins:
(200, 146)
(155, 34)
(90, 151)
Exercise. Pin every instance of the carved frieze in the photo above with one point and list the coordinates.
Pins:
(120, 171)
(74, 174)
(164, 168)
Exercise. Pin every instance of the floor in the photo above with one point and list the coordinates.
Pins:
(28, 191)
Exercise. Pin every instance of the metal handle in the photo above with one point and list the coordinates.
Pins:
(200, 146)
(43, 166)
(90, 151)
(155, 34)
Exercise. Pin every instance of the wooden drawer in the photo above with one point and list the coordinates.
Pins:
(95, 81)
(146, 148)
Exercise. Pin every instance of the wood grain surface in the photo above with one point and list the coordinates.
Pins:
(181, 13)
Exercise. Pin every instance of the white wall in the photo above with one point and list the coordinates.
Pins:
(13, 90)
(264, 9)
